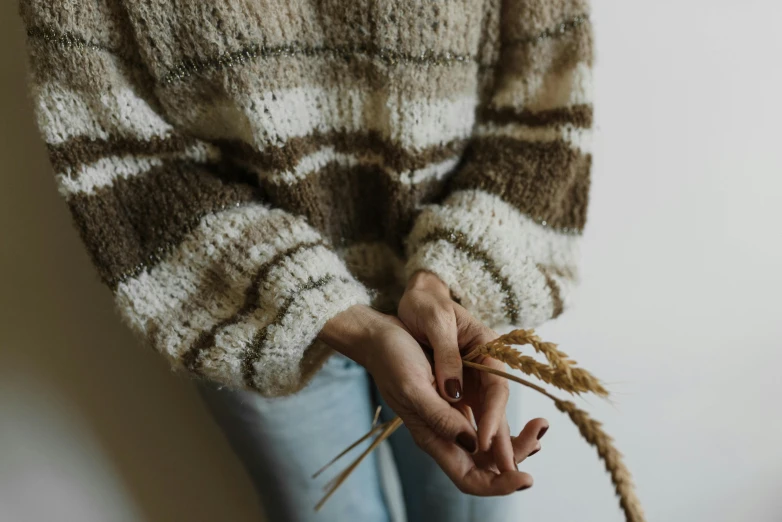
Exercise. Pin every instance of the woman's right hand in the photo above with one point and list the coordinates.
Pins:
(404, 376)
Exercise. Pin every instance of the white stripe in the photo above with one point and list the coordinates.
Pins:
(278, 366)
(274, 117)
(318, 160)
(466, 277)
(434, 171)
(421, 123)
(515, 243)
(577, 137)
(491, 222)
(88, 178)
(64, 114)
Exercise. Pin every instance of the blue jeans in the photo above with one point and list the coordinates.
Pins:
(283, 441)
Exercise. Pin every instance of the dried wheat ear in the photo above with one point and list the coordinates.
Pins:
(559, 371)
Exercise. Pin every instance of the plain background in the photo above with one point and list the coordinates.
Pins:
(678, 310)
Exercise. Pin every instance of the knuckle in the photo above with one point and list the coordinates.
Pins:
(441, 423)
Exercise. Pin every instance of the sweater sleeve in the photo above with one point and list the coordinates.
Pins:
(222, 285)
(505, 237)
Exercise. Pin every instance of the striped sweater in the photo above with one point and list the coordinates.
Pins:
(241, 171)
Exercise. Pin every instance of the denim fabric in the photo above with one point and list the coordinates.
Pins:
(282, 441)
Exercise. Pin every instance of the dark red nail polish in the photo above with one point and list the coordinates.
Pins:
(531, 454)
(522, 488)
(453, 388)
(542, 432)
(467, 441)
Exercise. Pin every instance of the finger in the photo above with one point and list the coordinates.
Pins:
(502, 449)
(528, 442)
(444, 420)
(440, 329)
(461, 469)
(495, 401)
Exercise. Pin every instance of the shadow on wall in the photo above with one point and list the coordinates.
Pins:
(79, 393)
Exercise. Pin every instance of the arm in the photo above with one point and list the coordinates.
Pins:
(505, 238)
(503, 242)
(223, 286)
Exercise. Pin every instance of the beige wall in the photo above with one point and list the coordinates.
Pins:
(678, 311)
(93, 426)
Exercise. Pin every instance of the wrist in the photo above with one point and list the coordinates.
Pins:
(348, 331)
(427, 281)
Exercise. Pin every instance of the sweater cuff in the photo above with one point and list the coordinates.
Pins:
(241, 300)
(501, 265)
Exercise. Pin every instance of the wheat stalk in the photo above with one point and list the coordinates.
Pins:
(562, 373)
(593, 432)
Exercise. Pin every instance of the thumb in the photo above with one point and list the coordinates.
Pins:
(442, 335)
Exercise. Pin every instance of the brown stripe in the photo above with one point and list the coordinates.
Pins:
(287, 156)
(83, 150)
(576, 115)
(376, 265)
(549, 55)
(197, 66)
(557, 30)
(565, 272)
(191, 358)
(547, 181)
(554, 291)
(462, 242)
(134, 222)
(67, 40)
(361, 203)
(253, 351)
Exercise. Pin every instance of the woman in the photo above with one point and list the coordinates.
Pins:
(262, 183)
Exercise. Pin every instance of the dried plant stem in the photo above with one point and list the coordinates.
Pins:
(593, 433)
(510, 377)
(560, 372)
(390, 427)
(375, 429)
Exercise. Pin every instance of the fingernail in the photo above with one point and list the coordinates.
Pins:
(467, 441)
(531, 454)
(453, 388)
(542, 432)
(522, 488)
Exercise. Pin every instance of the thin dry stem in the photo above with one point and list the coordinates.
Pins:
(375, 429)
(560, 372)
(593, 433)
(390, 427)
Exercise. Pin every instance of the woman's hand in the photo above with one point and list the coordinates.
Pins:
(435, 320)
(403, 375)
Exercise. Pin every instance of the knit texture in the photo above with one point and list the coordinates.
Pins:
(242, 171)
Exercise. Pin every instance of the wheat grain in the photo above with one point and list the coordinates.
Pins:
(559, 373)
(592, 431)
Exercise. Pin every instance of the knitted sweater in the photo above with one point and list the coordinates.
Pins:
(241, 171)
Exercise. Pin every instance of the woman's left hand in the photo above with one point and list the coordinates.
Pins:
(435, 320)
